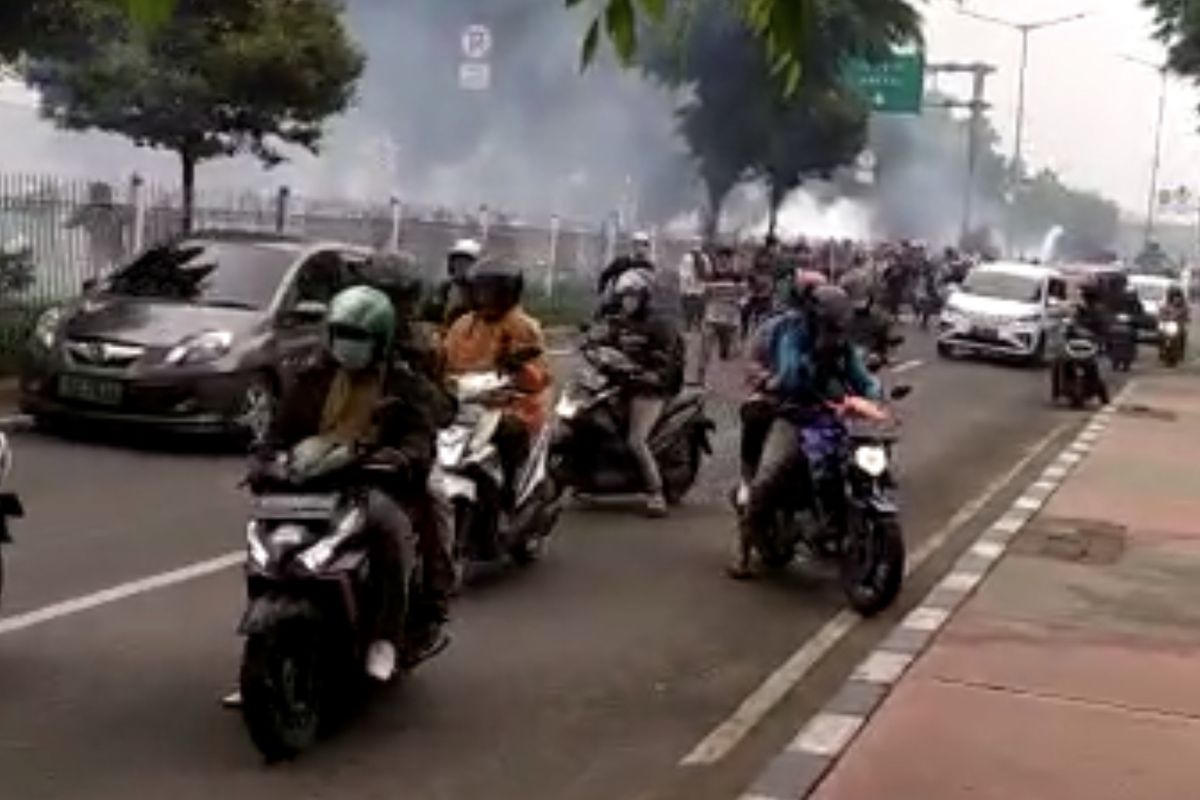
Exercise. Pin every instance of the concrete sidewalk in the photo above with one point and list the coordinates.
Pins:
(1074, 670)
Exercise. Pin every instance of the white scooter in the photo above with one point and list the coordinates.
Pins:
(468, 477)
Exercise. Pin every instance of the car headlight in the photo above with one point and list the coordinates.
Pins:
(45, 332)
(1027, 319)
(871, 459)
(201, 348)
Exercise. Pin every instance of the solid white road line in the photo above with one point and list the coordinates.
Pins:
(907, 366)
(15, 422)
(726, 736)
(124, 591)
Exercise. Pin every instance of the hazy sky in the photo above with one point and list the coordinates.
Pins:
(1089, 112)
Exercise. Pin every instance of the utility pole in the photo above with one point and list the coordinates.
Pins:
(1156, 162)
(979, 73)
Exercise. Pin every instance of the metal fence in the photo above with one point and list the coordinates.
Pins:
(75, 230)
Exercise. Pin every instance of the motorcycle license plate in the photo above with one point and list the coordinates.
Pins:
(295, 506)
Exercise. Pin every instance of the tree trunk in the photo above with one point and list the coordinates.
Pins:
(188, 161)
(717, 193)
(775, 199)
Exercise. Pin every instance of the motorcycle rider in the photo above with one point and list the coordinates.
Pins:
(1175, 309)
(1090, 320)
(653, 343)
(637, 258)
(450, 299)
(870, 328)
(498, 335)
(354, 392)
(806, 362)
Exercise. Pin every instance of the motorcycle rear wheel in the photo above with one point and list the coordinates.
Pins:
(675, 490)
(872, 565)
(281, 693)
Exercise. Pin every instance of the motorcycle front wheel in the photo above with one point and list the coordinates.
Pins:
(281, 693)
(872, 566)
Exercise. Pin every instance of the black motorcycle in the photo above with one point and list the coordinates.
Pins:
(10, 504)
(1075, 376)
(1122, 342)
(1172, 342)
(589, 453)
(313, 595)
(864, 537)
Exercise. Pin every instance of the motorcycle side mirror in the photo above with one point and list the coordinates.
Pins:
(874, 362)
(901, 392)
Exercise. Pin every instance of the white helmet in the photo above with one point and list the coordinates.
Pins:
(641, 237)
(466, 247)
(639, 281)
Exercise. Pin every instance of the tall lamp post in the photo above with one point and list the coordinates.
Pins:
(1152, 200)
(1025, 29)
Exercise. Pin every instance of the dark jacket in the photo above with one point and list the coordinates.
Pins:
(414, 408)
(446, 304)
(652, 341)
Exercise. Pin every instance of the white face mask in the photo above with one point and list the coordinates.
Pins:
(353, 354)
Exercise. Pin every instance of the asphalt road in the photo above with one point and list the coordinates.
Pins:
(589, 675)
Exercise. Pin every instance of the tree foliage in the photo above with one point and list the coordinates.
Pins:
(740, 119)
(212, 79)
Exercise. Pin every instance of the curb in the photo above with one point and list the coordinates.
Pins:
(797, 771)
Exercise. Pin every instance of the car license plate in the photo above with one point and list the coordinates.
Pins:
(990, 334)
(90, 390)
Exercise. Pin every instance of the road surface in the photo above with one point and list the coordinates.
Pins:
(590, 675)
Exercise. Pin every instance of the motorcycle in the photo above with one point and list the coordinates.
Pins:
(313, 595)
(1076, 372)
(1171, 342)
(589, 451)
(857, 442)
(1122, 343)
(468, 477)
(10, 503)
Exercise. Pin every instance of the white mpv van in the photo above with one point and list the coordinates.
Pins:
(1005, 309)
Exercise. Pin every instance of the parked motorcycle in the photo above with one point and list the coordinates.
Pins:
(468, 476)
(312, 595)
(868, 546)
(1171, 342)
(1075, 375)
(10, 504)
(589, 451)
(1122, 342)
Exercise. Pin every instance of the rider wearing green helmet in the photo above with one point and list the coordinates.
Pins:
(356, 391)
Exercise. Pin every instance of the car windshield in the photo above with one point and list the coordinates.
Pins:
(215, 274)
(1004, 286)
(1151, 291)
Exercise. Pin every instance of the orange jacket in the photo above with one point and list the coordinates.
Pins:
(473, 345)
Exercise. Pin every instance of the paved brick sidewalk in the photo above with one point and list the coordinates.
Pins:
(1074, 670)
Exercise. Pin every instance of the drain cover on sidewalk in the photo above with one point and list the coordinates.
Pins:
(1142, 411)
(1081, 541)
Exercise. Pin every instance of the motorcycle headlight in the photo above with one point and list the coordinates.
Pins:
(201, 348)
(45, 332)
(321, 553)
(1169, 328)
(871, 459)
(259, 554)
(567, 407)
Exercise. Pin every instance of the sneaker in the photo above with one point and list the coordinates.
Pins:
(656, 506)
(381, 660)
(233, 700)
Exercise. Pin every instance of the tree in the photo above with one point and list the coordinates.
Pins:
(740, 121)
(216, 78)
(16, 271)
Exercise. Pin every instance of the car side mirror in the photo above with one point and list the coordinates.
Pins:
(306, 312)
(900, 392)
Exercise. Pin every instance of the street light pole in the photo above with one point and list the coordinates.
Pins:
(1019, 134)
(1152, 200)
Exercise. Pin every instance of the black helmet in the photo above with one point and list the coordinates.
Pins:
(496, 286)
(832, 309)
(396, 275)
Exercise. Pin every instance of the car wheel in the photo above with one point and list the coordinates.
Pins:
(945, 350)
(256, 412)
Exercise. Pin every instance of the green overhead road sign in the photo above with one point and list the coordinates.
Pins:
(895, 85)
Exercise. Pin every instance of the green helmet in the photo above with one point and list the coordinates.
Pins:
(361, 313)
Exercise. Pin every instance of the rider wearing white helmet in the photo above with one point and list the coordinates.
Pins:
(451, 298)
(652, 341)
